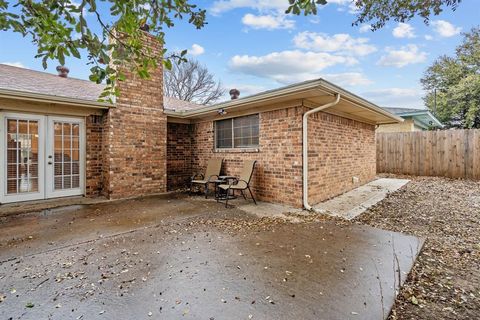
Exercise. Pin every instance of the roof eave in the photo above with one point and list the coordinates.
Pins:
(46, 98)
(269, 95)
(423, 112)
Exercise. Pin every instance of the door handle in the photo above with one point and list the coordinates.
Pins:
(50, 162)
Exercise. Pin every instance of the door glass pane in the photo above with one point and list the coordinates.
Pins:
(22, 156)
(66, 155)
(75, 181)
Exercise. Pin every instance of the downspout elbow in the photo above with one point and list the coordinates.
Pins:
(306, 205)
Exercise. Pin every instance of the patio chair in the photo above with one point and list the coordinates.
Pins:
(242, 183)
(211, 173)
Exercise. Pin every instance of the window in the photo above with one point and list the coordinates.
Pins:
(241, 132)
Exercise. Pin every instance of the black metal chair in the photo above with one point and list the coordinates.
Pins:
(242, 183)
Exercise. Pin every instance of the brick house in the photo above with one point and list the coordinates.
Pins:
(58, 140)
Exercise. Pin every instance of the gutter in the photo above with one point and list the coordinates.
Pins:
(46, 98)
(306, 205)
(318, 84)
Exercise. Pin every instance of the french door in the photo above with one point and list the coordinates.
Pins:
(42, 157)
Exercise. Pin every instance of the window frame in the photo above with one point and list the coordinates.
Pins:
(232, 125)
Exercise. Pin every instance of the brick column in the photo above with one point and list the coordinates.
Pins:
(135, 153)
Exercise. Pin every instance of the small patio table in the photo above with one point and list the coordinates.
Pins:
(222, 180)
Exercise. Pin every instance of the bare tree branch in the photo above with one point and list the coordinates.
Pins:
(190, 81)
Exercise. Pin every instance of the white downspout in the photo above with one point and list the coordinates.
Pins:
(305, 147)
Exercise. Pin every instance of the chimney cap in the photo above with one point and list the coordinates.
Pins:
(63, 71)
(234, 93)
(145, 27)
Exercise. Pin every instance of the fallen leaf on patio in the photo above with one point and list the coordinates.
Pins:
(29, 305)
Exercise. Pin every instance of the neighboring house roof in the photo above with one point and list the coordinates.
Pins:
(401, 110)
(422, 117)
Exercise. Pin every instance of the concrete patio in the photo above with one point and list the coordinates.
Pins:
(353, 203)
(187, 257)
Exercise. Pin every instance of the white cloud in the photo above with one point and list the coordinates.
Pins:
(445, 29)
(348, 79)
(396, 97)
(341, 42)
(403, 30)
(364, 28)
(222, 6)
(352, 8)
(196, 50)
(288, 66)
(402, 57)
(14, 64)
(269, 22)
(428, 37)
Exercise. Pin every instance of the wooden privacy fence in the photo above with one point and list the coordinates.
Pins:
(446, 153)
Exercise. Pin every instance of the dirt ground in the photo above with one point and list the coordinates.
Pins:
(445, 280)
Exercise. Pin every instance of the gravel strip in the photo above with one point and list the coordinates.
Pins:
(445, 281)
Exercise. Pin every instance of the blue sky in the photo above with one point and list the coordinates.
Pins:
(253, 46)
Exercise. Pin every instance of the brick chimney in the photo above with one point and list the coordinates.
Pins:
(136, 131)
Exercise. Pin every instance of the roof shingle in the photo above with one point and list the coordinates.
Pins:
(25, 80)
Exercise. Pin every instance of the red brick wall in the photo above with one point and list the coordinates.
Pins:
(136, 135)
(278, 174)
(179, 155)
(339, 149)
(94, 156)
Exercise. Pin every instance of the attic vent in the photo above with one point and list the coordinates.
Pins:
(63, 71)
(234, 94)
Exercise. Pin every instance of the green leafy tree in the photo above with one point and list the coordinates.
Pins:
(455, 84)
(66, 28)
(81, 27)
(378, 12)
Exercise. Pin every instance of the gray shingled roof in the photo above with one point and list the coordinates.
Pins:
(177, 105)
(25, 80)
(402, 110)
